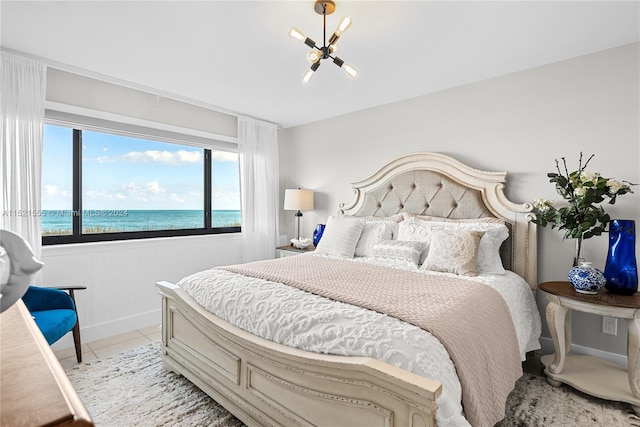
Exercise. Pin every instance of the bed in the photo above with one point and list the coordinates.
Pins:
(216, 328)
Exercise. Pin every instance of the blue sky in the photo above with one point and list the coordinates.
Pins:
(129, 173)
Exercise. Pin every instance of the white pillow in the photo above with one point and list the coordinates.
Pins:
(495, 232)
(372, 233)
(416, 231)
(393, 218)
(409, 216)
(398, 252)
(489, 261)
(453, 251)
(340, 237)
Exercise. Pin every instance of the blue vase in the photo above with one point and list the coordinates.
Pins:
(621, 269)
(317, 234)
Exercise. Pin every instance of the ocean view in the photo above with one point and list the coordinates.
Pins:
(105, 221)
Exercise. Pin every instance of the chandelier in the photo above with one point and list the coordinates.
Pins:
(317, 54)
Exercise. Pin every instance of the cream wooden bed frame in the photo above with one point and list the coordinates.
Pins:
(265, 383)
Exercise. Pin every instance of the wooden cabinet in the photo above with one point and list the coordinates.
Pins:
(34, 390)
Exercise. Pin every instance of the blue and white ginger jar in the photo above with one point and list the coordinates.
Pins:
(587, 279)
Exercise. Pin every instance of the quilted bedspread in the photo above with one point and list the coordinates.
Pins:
(471, 320)
(300, 319)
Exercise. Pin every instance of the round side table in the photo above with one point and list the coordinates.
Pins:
(589, 374)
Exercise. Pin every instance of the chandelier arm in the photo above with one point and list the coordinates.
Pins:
(311, 43)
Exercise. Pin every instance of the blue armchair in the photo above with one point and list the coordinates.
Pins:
(54, 311)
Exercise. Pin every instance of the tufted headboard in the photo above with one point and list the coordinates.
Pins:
(438, 185)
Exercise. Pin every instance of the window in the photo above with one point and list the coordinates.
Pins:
(99, 185)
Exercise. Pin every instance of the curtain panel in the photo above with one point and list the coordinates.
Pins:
(259, 183)
(22, 104)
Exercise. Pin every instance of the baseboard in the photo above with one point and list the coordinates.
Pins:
(619, 359)
(108, 329)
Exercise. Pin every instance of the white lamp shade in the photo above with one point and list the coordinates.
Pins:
(298, 200)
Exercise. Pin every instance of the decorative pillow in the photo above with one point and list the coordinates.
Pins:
(496, 232)
(489, 260)
(408, 216)
(393, 218)
(398, 252)
(416, 231)
(372, 233)
(340, 237)
(453, 251)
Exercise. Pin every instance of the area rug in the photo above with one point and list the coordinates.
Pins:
(132, 389)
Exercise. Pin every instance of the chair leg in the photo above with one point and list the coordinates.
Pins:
(76, 341)
(76, 329)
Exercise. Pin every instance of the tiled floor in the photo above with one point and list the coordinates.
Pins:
(109, 346)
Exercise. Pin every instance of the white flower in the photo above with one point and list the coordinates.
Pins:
(542, 205)
(580, 191)
(589, 176)
(615, 185)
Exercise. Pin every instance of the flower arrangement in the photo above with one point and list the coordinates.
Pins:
(583, 217)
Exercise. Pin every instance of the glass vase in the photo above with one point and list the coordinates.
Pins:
(578, 259)
(621, 269)
(317, 234)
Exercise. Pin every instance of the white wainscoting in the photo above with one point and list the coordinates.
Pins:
(120, 277)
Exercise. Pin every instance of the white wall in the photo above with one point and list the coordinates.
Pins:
(120, 277)
(520, 123)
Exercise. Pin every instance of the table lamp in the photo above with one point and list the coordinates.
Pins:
(298, 200)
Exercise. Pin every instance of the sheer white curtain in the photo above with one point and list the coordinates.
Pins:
(259, 177)
(22, 100)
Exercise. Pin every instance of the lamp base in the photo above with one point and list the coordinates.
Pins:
(302, 243)
(324, 7)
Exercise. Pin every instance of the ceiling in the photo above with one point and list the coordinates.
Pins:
(235, 56)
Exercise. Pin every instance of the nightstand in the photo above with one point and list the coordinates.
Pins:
(288, 250)
(589, 374)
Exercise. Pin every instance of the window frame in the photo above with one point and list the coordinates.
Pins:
(81, 123)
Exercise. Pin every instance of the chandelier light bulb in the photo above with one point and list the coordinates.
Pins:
(311, 71)
(314, 55)
(343, 25)
(350, 70)
(297, 34)
(333, 48)
(307, 76)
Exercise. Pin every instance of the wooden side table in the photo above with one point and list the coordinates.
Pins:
(288, 250)
(589, 374)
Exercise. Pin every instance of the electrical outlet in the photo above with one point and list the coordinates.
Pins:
(609, 325)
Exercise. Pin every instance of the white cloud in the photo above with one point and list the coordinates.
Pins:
(154, 187)
(54, 190)
(136, 192)
(92, 194)
(179, 157)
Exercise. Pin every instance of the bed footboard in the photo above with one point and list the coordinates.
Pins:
(268, 384)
